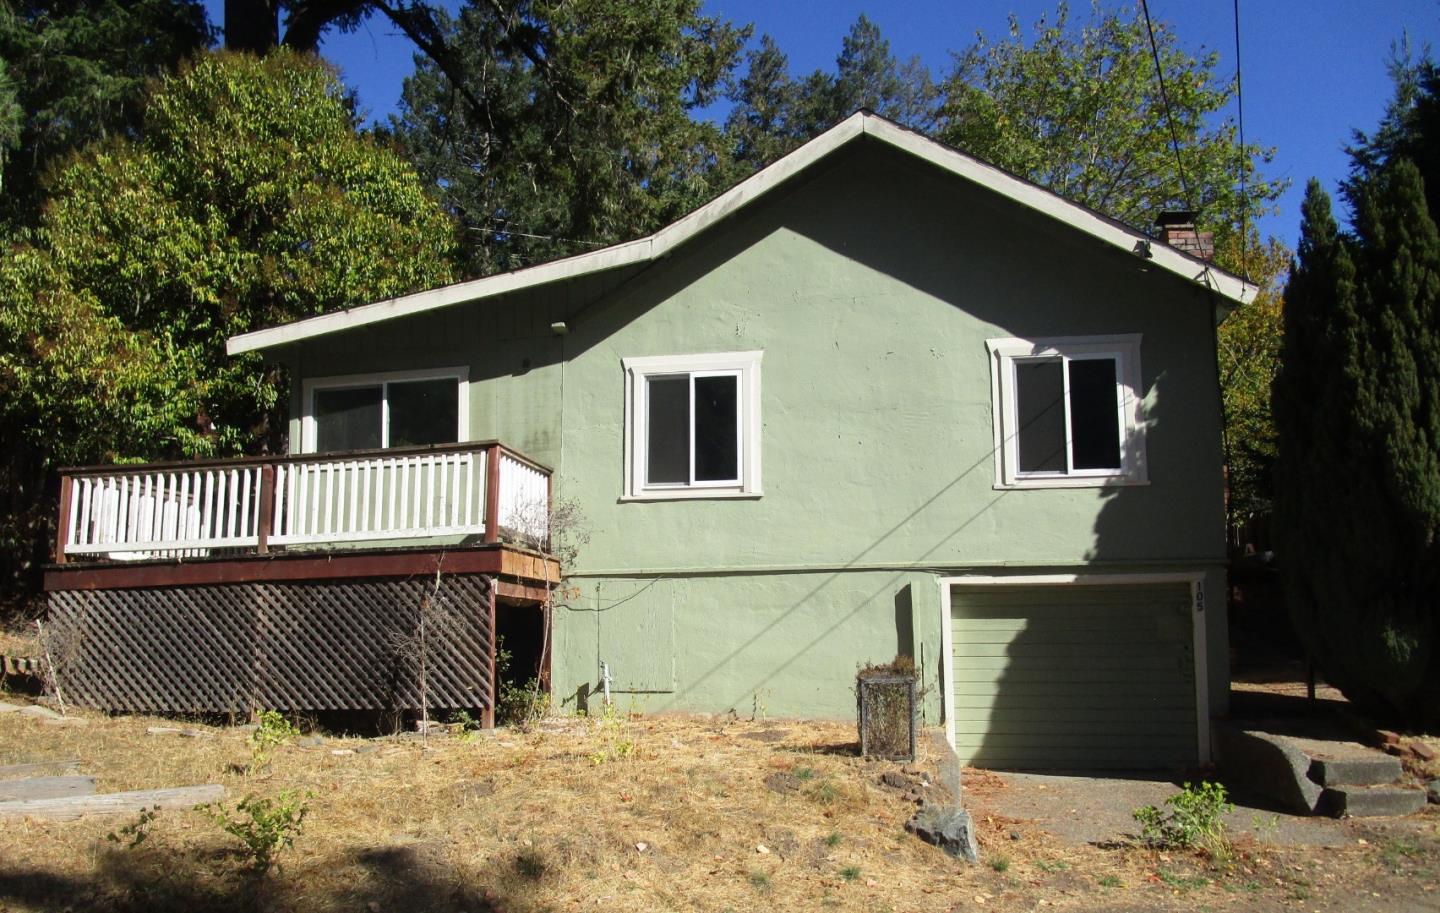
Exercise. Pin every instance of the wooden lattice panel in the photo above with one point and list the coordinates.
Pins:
(328, 645)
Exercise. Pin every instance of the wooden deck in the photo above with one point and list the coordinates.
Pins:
(294, 583)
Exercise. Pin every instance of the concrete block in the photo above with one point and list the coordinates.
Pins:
(1377, 770)
(1372, 801)
(1266, 764)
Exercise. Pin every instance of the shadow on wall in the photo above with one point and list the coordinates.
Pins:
(915, 245)
(1086, 677)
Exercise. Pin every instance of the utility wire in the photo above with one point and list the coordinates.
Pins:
(1240, 117)
(1165, 99)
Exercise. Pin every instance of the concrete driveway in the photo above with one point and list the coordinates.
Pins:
(1096, 808)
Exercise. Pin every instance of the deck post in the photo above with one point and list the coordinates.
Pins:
(487, 718)
(492, 494)
(266, 521)
(62, 528)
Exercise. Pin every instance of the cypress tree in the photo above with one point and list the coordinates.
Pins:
(1357, 407)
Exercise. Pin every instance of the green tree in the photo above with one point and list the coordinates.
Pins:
(1250, 342)
(78, 71)
(248, 200)
(582, 139)
(12, 120)
(772, 113)
(1079, 111)
(1357, 406)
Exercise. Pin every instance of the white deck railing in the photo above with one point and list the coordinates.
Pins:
(187, 510)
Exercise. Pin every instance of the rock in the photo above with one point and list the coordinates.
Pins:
(1014, 835)
(1422, 751)
(1385, 738)
(43, 713)
(9, 708)
(896, 779)
(948, 828)
(311, 741)
(1432, 792)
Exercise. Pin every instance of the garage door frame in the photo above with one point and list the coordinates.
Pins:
(1195, 580)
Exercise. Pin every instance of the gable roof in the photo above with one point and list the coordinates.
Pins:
(1230, 287)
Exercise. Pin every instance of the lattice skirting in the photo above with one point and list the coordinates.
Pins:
(331, 645)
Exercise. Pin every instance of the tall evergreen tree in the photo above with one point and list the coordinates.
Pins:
(586, 142)
(78, 71)
(773, 113)
(1357, 406)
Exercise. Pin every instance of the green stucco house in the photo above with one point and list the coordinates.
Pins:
(880, 398)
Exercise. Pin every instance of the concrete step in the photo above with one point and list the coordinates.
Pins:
(1371, 801)
(1377, 770)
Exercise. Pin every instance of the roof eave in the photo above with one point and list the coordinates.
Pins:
(1230, 287)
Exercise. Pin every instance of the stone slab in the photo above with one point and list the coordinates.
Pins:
(1376, 769)
(1372, 801)
(46, 788)
(39, 768)
(1267, 764)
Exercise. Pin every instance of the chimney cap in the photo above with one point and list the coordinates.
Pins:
(1172, 218)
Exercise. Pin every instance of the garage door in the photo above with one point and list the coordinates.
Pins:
(1073, 676)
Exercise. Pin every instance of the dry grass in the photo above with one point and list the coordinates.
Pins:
(550, 820)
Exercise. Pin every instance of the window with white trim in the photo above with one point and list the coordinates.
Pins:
(692, 426)
(374, 411)
(1068, 412)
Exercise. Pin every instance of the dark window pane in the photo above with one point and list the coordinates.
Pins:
(1040, 413)
(717, 454)
(667, 430)
(424, 412)
(347, 419)
(1094, 414)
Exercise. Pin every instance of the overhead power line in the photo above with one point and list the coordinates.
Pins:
(1165, 100)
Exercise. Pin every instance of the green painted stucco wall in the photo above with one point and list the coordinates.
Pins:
(871, 285)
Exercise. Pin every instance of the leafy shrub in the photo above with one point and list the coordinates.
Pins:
(523, 705)
(1192, 821)
(272, 731)
(136, 832)
(265, 826)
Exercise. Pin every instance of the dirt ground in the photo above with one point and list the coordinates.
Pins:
(671, 813)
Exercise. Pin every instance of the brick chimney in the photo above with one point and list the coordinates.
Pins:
(1177, 229)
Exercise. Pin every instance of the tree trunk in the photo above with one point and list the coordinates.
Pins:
(252, 25)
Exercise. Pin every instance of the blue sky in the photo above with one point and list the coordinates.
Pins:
(1312, 70)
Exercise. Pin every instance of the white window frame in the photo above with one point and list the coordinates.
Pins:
(1129, 403)
(745, 366)
(308, 429)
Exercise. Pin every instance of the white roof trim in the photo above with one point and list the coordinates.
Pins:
(654, 246)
